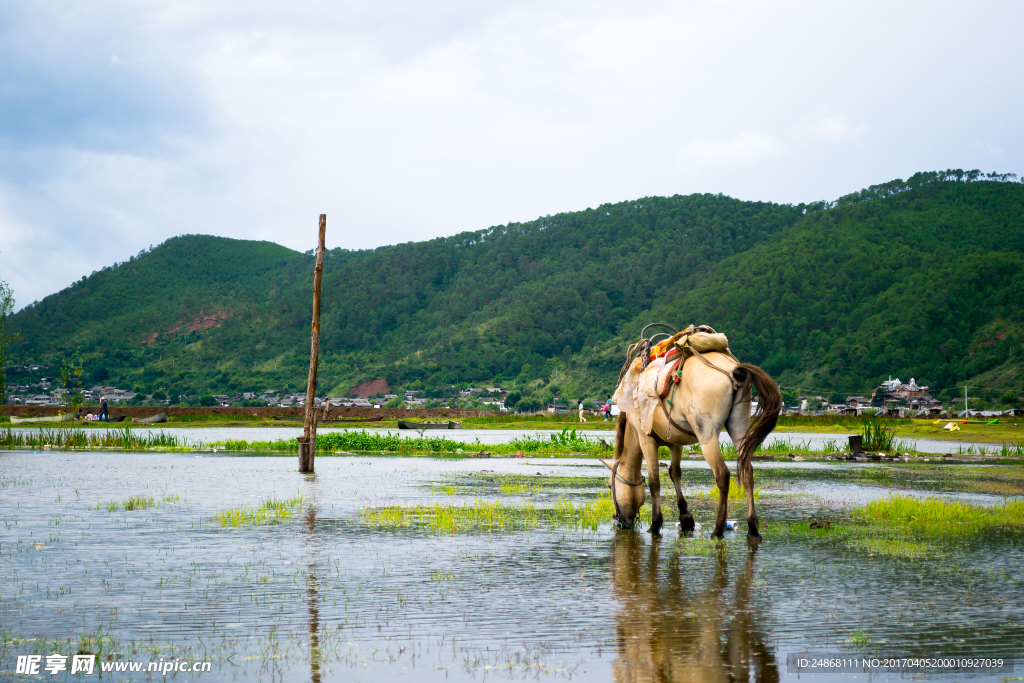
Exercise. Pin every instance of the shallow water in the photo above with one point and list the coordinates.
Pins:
(323, 596)
(203, 435)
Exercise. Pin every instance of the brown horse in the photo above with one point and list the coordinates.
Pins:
(709, 395)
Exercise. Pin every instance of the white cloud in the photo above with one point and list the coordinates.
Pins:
(746, 149)
(125, 123)
(832, 128)
(988, 148)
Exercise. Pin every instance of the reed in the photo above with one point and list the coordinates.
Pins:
(70, 437)
(878, 437)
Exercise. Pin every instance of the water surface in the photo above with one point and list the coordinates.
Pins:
(323, 596)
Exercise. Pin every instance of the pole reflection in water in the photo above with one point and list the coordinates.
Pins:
(312, 595)
(667, 629)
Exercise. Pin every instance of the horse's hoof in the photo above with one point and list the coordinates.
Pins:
(686, 523)
(753, 541)
(656, 527)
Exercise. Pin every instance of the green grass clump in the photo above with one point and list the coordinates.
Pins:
(270, 511)
(138, 503)
(943, 517)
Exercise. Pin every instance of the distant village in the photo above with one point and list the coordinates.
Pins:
(891, 398)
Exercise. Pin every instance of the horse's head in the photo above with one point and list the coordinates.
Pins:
(628, 489)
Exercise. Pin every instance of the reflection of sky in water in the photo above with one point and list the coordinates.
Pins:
(404, 605)
(199, 435)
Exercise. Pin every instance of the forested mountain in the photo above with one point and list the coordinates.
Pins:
(918, 278)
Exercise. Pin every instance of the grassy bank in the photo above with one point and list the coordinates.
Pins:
(567, 442)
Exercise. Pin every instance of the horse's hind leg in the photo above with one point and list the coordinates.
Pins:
(713, 456)
(737, 426)
(675, 472)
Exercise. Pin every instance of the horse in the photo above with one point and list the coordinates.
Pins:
(713, 390)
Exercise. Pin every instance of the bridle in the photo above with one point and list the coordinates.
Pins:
(617, 477)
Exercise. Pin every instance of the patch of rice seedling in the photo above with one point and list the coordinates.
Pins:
(482, 515)
(584, 515)
(449, 489)
(170, 498)
(270, 511)
(858, 639)
(516, 489)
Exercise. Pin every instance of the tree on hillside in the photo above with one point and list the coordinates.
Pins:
(6, 306)
(70, 375)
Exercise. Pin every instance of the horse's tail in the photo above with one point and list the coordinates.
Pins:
(769, 403)
(620, 435)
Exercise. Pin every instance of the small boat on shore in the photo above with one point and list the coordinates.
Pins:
(406, 424)
(153, 419)
(63, 417)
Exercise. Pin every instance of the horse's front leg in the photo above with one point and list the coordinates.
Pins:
(650, 450)
(675, 472)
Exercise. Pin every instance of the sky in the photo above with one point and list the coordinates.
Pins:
(123, 124)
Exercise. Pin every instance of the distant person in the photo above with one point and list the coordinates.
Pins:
(582, 419)
(104, 414)
(608, 409)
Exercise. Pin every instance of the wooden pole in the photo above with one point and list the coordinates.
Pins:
(307, 445)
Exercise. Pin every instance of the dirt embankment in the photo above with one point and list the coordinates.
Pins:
(263, 412)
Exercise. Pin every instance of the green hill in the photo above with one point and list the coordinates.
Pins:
(916, 278)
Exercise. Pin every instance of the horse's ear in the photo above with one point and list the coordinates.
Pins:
(610, 465)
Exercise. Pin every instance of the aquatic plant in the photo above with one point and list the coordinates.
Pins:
(877, 437)
(270, 511)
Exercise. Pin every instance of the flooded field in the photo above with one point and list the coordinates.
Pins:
(439, 569)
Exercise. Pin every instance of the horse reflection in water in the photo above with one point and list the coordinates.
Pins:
(669, 632)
